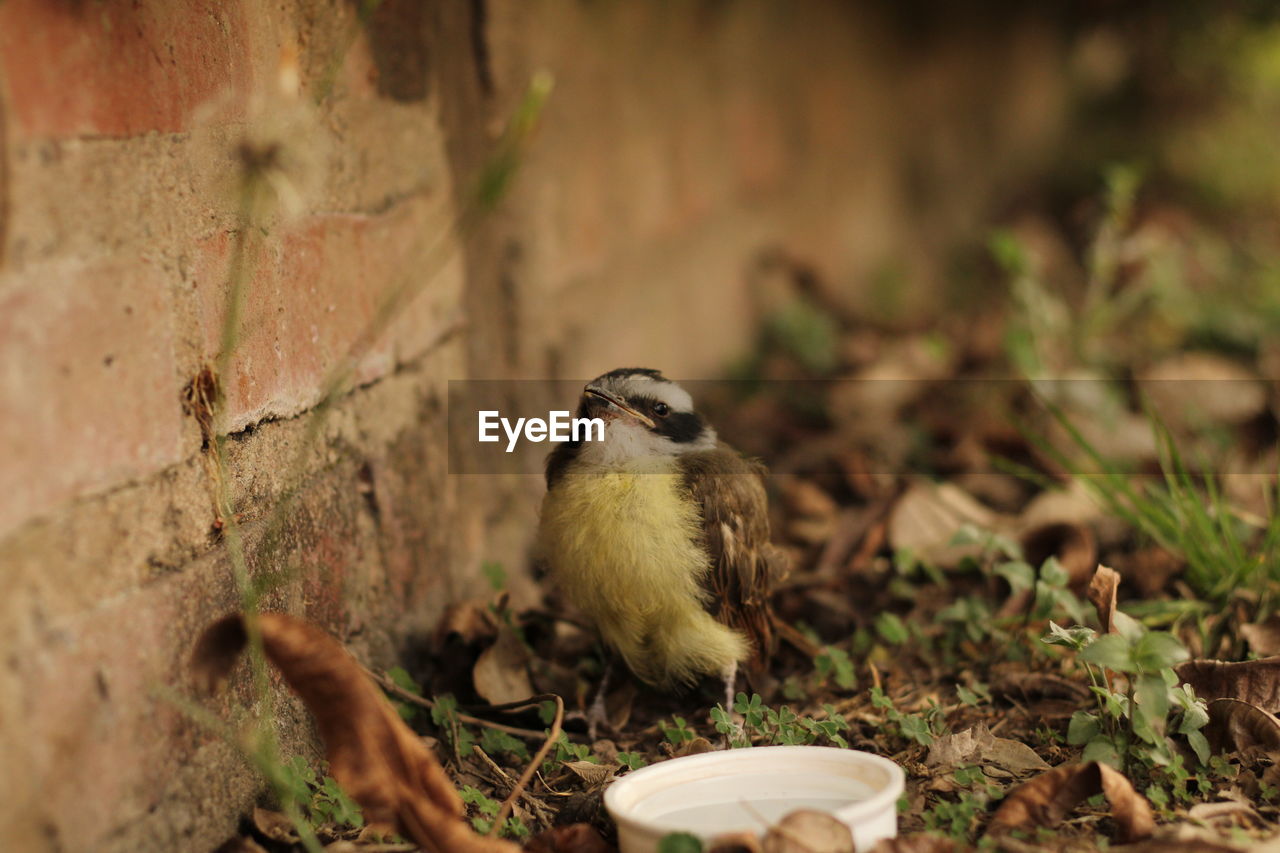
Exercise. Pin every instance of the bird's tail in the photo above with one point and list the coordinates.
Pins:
(685, 649)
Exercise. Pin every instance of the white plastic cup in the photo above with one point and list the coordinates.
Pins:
(753, 788)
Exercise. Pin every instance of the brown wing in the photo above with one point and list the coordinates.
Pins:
(745, 566)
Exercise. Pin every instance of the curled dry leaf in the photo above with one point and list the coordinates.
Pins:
(1254, 681)
(1150, 569)
(574, 838)
(1239, 726)
(1263, 637)
(1102, 595)
(808, 831)
(979, 746)
(1072, 544)
(377, 759)
(1230, 809)
(927, 517)
(471, 620)
(1046, 800)
(595, 775)
(501, 673)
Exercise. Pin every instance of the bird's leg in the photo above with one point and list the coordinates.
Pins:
(730, 682)
(598, 714)
(730, 675)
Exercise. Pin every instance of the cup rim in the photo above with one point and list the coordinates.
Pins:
(884, 797)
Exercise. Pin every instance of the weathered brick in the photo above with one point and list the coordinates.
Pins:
(89, 707)
(313, 291)
(88, 394)
(118, 69)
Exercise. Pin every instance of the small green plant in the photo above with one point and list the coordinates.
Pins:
(566, 750)
(493, 742)
(495, 574)
(974, 695)
(834, 664)
(780, 726)
(1134, 728)
(486, 810)
(322, 798)
(407, 710)
(1224, 551)
(677, 732)
(920, 728)
(680, 842)
(891, 629)
(445, 715)
(958, 818)
(631, 760)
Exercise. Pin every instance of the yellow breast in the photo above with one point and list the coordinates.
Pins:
(625, 547)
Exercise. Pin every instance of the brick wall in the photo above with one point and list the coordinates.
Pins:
(681, 141)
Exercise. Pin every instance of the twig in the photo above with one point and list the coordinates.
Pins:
(534, 763)
(533, 802)
(493, 765)
(391, 687)
(786, 631)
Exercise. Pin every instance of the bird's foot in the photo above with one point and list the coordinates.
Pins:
(596, 717)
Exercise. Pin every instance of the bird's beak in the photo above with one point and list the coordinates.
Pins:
(617, 402)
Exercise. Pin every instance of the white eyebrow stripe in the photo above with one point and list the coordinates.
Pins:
(668, 392)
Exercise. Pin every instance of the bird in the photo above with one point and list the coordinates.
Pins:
(658, 532)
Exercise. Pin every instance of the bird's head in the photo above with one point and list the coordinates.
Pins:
(645, 414)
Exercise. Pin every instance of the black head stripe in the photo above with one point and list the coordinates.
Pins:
(681, 427)
(634, 371)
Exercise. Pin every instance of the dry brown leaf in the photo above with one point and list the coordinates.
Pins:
(1046, 800)
(735, 842)
(1072, 504)
(917, 842)
(1150, 569)
(1254, 681)
(1263, 637)
(812, 512)
(927, 516)
(1198, 388)
(979, 746)
(1236, 725)
(574, 838)
(1102, 595)
(697, 746)
(1223, 808)
(274, 825)
(471, 620)
(1072, 544)
(808, 831)
(501, 673)
(377, 759)
(243, 844)
(1199, 844)
(1010, 680)
(595, 775)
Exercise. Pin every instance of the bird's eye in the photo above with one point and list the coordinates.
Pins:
(661, 409)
